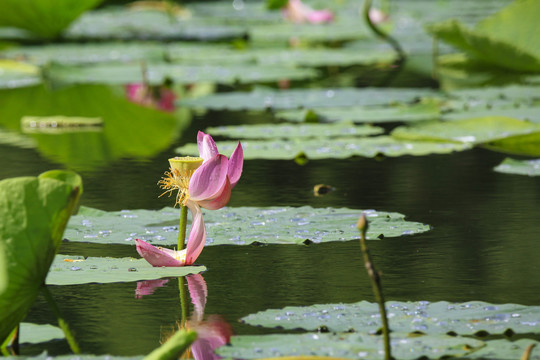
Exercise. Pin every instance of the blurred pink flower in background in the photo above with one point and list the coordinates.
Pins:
(157, 97)
(297, 12)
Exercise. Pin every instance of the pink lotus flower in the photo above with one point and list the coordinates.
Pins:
(161, 97)
(298, 12)
(204, 181)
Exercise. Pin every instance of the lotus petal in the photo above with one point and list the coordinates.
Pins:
(209, 179)
(158, 256)
(207, 146)
(236, 164)
(197, 234)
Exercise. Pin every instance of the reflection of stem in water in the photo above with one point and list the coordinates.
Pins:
(61, 322)
(182, 227)
(183, 300)
(375, 278)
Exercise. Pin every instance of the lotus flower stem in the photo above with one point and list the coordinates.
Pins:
(61, 322)
(390, 40)
(174, 347)
(182, 227)
(375, 278)
(11, 342)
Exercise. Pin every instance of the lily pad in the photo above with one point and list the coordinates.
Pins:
(333, 148)
(45, 18)
(18, 74)
(238, 226)
(506, 349)
(526, 145)
(293, 131)
(306, 98)
(342, 345)
(71, 270)
(125, 24)
(34, 212)
(425, 110)
(520, 167)
(406, 317)
(87, 53)
(474, 131)
(156, 74)
(39, 333)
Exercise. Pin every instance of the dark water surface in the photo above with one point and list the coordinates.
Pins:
(483, 245)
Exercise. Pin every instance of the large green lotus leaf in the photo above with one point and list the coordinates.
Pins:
(87, 53)
(331, 148)
(474, 131)
(129, 130)
(238, 226)
(45, 18)
(3, 269)
(515, 95)
(156, 74)
(307, 98)
(16, 74)
(277, 131)
(124, 24)
(406, 317)
(341, 345)
(318, 57)
(504, 39)
(72, 270)
(39, 333)
(525, 145)
(425, 110)
(34, 212)
(520, 167)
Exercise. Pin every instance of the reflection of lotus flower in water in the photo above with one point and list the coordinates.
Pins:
(204, 181)
(147, 287)
(212, 332)
(298, 12)
(160, 97)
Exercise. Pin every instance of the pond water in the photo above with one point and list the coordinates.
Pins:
(482, 246)
(483, 242)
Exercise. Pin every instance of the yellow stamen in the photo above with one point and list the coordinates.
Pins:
(181, 170)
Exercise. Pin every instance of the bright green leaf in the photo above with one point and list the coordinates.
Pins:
(17, 74)
(33, 213)
(406, 317)
(70, 270)
(46, 18)
(526, 145)
(237, 226)
(520, 167)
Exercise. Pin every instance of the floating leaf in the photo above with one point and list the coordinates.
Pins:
(122, 24)
(406, 317)
(506, 349)
(529, 113)
(527, 145)
(264, 131)
(157, 74)
(307, 98)
(238, 226)
(39, 333)
(341, 345)
(333, 148)
(70, 270)
(474, 131)
(502, 39)
(34, 212)
(87, 53)
(18, 74)
(520, 167)
(426, 110)
(46, 18)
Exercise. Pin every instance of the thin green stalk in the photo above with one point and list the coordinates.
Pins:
(61, 322)
(11, 342)
(390, 40)
(183, 300)
(182, 227)
(375, 278)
